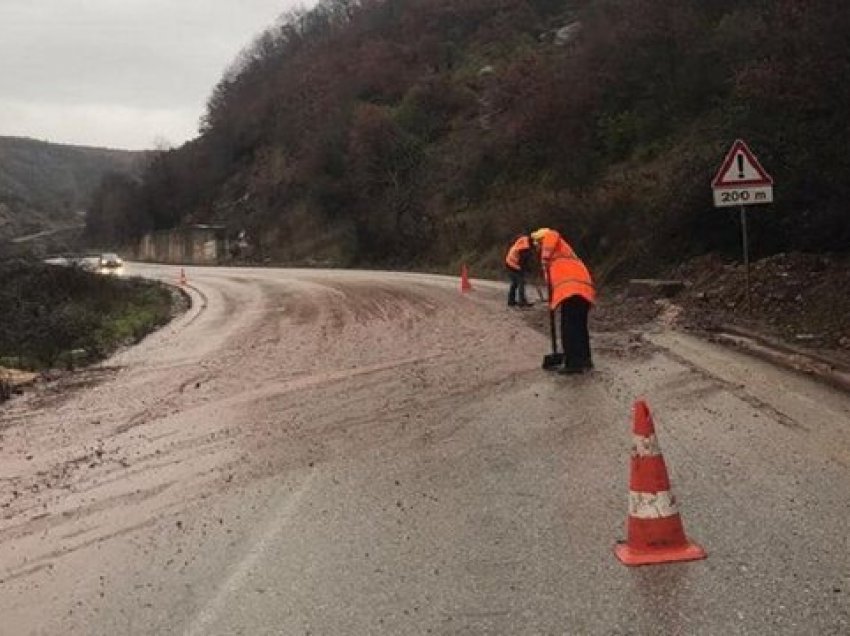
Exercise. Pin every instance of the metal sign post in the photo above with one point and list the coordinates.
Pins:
(746, 258)
(741, 181)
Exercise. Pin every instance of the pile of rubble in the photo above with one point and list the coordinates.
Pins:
(799, 298)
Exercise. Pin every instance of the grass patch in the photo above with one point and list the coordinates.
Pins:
(53, 316)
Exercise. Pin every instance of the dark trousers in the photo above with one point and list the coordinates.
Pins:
(575, 337)
(516, 293)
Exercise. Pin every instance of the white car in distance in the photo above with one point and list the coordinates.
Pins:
(110, 262)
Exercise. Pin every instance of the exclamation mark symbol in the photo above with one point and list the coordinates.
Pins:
(740, 166)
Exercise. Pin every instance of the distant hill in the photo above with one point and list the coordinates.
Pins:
(46, 186)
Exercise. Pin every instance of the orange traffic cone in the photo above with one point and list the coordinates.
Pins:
(182, 277)
(655, 532)
(465, 285)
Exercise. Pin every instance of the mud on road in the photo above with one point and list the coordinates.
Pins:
(344, 452)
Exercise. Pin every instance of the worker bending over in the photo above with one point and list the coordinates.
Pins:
(518, 262)
(570, 288)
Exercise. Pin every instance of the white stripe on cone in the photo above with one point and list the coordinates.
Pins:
(652, 505)
(645, 446)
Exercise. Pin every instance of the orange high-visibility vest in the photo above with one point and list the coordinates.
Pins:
(513, 259)
(565, 272)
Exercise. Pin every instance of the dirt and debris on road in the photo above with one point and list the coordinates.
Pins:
(616, 323)
(353, 452)
(800, 299)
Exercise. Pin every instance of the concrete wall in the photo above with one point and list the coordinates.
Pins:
(190, 246)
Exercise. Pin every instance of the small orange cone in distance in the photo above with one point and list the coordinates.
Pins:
(655, 532)
(465, 285)
(182, 276)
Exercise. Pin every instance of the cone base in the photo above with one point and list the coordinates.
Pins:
(631, 557)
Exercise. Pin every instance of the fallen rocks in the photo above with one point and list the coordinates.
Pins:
(795, 297)
(654, 288)
(13, 380)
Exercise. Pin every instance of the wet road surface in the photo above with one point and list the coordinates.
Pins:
(309, 452)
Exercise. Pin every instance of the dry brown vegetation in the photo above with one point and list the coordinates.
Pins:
(411, 133)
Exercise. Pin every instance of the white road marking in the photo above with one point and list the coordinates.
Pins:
(209, 614)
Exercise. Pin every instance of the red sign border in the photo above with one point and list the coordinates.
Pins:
(741, 146)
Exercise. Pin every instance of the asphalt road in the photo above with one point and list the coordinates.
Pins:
(309, 452)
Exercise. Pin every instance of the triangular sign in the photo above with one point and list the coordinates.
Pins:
(740, 168)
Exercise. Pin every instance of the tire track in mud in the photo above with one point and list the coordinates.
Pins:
(273, 371)
(155, 396)
(349, 411)
(313, 442)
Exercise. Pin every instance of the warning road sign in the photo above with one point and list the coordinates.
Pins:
(741, 179)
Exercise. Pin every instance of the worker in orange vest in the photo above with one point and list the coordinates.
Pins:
(571, 289)
(518, 261)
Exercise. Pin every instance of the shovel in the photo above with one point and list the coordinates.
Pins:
(540, 295)
(553, 360)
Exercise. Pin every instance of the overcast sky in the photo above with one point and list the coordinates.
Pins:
(119, 73)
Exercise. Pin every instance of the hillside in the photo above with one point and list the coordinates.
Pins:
(416, 133)
(45, 186)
